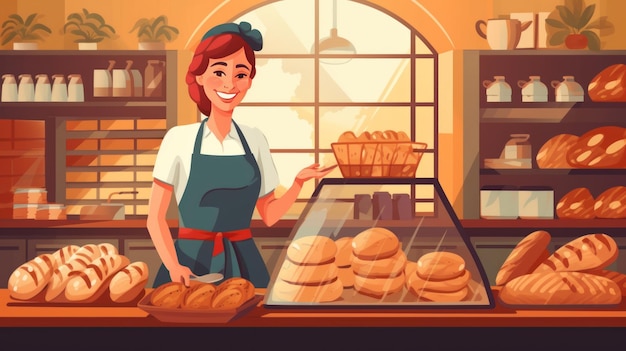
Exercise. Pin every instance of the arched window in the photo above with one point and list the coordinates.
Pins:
(308, 91)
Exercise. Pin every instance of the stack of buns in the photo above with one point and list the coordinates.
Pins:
(579, 203)
(81, 274)
(377, 154)
(378, 263)
(439, 276)
(230, 294)
(309, 272)
(609, 85)
(601, 147)
(575, 274)
(343, 260)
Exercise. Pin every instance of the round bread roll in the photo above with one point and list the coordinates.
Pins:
(344, 252)
(380, 268)
(229, 298)
(243, 283)
(433, 296)
(602, 147)
(198, 296)
(375, 243)
(312, 249)
(410, 268)
(417, 284)
(611, 203)
(525, 257)
(553, 152)
(440, 265)
(578, 203)
(378, 287)
(307, 274)
(346, 276)
(168, 295)
(284, 291)
(347, 137)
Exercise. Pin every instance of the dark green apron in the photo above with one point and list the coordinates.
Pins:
(220, 196)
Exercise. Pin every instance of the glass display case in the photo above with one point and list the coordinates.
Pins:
(378, 242)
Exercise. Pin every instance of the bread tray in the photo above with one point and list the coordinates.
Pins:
(177, 315)
(562, 307)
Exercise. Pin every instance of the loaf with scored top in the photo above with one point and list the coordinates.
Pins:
(611, 203)
(588, 253)
(529, 253)
(601, 147)
(92, 282)
(578, 203)
(31, 278)
(129, 282)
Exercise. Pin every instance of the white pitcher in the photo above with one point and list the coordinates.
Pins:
(59, 88)
(43, 90)
(9, 88)
(26, 88)
(75, 90)
(122, 81)
(103, 81)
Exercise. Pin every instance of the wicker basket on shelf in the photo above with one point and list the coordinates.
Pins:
(373, 155)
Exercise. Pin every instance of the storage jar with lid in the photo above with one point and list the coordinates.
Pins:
(30, 196)
(51, 212)
(498, 90)
(536, 202)
(533, 90)
(24, 211)
(568, 90)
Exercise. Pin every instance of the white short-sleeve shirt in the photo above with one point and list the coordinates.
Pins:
(173, 161)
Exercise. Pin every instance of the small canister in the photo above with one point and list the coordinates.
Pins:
(536, 202)
(24, 211)
(30, 196)
(51, 212)
(499, 202)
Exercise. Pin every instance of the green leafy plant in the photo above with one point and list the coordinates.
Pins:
(575, 28)
(89, 27)
(154, 29)
(17, 28)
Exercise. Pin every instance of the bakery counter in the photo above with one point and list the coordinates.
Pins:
(131, 316)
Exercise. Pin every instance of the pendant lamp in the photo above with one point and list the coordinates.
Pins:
(335, 45)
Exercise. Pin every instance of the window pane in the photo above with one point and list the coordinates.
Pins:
(425, 80)
(426, 167)
(336, 120)
(288, 27)
(421, 48)
(283, 80)
(284, 127)
(370, 30)
(366, 80)
(425, 126)
(288, 165)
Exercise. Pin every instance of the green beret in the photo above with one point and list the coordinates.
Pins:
(243, 29)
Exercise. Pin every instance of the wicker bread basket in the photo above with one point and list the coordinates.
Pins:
(391, 159)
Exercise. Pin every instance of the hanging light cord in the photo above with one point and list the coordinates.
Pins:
(335, 14)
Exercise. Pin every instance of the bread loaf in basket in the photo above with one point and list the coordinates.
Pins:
(377, 154)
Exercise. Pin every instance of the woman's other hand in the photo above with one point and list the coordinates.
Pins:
(313, 171)
(180, 273)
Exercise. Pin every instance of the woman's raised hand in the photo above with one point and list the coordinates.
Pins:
(313, 171)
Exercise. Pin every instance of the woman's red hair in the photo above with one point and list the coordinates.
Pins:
(213, 48)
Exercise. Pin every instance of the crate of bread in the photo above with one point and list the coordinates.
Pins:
(576, 274)
(94, 274)
(201, 302)
(377, 154)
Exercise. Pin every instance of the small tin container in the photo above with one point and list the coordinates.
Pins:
(24, 211)
(51, 212)
(30, 196)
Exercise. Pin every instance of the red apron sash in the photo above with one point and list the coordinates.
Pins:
(216, 237)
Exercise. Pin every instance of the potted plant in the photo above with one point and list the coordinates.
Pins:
(23, 32)
(89, 27)
(152, 33)
(575, 29)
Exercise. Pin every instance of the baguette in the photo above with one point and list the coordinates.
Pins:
(587, 253)
(61, 276)
(107, 249)
(63, 255)
(561, 288)
(92, 282)
(529, 253)
(617, 277)
(31, 278)
(129, 282)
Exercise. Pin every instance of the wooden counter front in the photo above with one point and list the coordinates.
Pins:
(31, 316)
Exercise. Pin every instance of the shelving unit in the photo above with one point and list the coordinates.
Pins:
(79, 135)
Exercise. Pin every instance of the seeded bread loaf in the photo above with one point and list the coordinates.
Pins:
(578, 203)
(602, 147)
(609, 85)
(553, 152)
(611, 203)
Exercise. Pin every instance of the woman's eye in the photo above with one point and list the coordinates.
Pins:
(242, 75)
(219, 73)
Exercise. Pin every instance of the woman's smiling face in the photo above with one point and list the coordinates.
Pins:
(226, 80)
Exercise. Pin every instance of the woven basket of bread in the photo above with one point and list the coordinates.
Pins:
(378, 154)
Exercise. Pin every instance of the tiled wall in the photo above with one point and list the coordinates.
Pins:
(22, 159)
(108, 156)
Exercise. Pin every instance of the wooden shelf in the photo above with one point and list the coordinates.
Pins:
(82, 110)
(551, 172)
(553, 112)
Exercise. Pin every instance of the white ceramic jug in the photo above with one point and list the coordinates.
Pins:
(75, 90)
(26, 88)
(9, 88)
(502, 33)
(103, 81)
(498, 90)
(59, 88)
(43, 90)
(122, 81)
(533, 90)
(568, 90)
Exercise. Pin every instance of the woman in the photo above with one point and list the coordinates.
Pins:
(218, 171)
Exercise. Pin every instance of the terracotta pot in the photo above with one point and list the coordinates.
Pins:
(576, 41)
